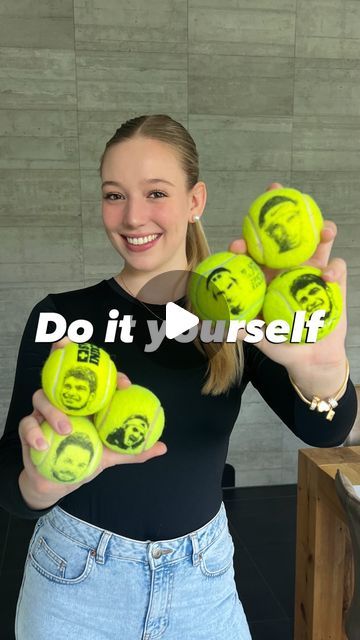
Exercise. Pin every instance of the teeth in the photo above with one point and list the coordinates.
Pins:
(142, 240)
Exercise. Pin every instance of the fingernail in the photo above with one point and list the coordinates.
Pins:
(41, 443)
(64, 427)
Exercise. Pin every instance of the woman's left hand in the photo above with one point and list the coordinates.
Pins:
(318, 368)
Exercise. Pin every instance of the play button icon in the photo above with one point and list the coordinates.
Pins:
(163, 327)
(178, 320)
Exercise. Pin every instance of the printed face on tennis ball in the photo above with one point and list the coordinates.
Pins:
(313, 297)
(71, 463)
(228, 287)
(130, 434)
(284, 228)
(303, 289)
(146, 218)
(69, 458)
(76, 393)
(133, 420)
(79, 378)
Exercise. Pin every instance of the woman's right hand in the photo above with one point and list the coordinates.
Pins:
(40, 492)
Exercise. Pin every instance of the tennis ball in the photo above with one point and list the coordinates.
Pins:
(69, 458)
(303, 288)
(282, 228)
(133, 420)
(79, 379)
(227, 286)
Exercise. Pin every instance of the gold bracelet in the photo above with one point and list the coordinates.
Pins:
(324, 405)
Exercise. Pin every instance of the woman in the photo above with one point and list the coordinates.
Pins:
(144, 550)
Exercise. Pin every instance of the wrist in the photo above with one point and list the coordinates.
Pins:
(322, 382)
(33, 498)
(328, 403)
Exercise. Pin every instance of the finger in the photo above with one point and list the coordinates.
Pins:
(238, 246)
(38, 416)
(329, 231)
(60, 344)
(58, 420)
(122, 380)
(274, 185)
(322, 254)
(113, 458)
(31, 434)
(336, 271)
(158, 449)
(242, 334)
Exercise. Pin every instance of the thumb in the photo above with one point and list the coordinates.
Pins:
(60, 344)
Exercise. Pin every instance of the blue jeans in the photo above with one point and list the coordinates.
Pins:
(86, 583)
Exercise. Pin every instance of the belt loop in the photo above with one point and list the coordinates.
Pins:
(196, 553)
(101, 548)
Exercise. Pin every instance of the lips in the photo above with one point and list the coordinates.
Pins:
(141, 247)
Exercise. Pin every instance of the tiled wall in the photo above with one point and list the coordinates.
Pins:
(269, 91)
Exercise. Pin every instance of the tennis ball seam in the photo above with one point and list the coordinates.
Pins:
(249, 310)
(197, 297)
(310, 213)
(109, 375)
(280, 295)
(226, 260)
(257, 237)
(105, 412)
(152, 425)
(56, 378)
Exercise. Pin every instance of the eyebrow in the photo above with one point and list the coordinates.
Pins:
(150, 180)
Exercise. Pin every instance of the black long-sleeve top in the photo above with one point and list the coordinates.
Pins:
(173, 494)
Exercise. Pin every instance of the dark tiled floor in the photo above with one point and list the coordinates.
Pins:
(262, 523)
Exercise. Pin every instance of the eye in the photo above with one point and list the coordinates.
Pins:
(159, 192)
(111, 196)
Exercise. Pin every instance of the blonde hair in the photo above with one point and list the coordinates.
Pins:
(225, 364)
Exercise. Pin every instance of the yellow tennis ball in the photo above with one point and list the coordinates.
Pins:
(303, 289)
(282, 228)
(227, 286)
(79, 379)
(132, 422)
(69, 458)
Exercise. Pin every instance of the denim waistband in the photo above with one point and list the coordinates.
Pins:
(156, 553)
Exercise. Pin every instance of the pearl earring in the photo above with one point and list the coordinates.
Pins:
(196, 219)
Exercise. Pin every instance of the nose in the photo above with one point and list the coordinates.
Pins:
(134, 213)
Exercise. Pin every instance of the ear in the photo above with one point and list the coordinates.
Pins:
(198, 196)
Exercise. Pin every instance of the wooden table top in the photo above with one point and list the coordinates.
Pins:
(347, 459)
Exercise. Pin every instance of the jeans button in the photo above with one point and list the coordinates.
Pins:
(156, 553)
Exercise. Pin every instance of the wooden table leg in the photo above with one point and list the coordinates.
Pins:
(320, 561)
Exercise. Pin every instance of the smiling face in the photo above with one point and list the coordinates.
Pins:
(145, 217)
(313, 297)
(75, 393)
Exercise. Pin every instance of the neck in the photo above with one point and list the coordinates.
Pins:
(155, 288)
